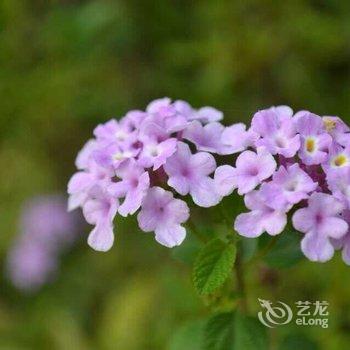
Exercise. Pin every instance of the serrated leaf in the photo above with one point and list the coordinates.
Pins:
(213, 265)
(188, 336)
(219, 332)
(234, 331)
(298, 341)
(250, 334)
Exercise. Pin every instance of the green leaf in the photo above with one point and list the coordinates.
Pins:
(219, 332)
(298, 341)
(250, 334)
(234, 331)
(188, 336)
(213, 265)
(286, 252)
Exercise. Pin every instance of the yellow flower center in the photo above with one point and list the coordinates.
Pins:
(310, 145)
(329, 124)
(340, 160)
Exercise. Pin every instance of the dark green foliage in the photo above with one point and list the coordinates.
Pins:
(67, 65)
(286, 251)
(298, 341)
(219, 332)
(234, 331)
(213, 265)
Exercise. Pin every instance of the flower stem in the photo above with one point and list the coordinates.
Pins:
(263, 252)
(239, 272)
(192, 226)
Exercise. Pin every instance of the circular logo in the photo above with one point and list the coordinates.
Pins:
(273, 316)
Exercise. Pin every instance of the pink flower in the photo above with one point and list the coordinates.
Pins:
(189, 173)
(208, 115)
(276, 128)
(113, 131)
(100, 210)
(343, 243)
(204, 115)
(163, 113)
(338, 159)
(288, 186)
(140, 148)
(206, 138)
(82, 182)
(164, 215)
(251, 169)
(114, 154)
(320, 221)
(314, 139)
(156, 154)
(238, 138)
(339, 184)
(133, 186)
(84, 157)
(339, 131)
(225, 180)
(261, 218)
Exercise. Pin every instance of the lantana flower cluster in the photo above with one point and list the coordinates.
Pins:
(296, 165)
(146, 162)
(288, 165)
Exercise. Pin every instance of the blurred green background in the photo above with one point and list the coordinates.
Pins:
(68, 65)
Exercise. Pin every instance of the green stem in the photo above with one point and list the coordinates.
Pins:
(239, 272)
(263, 252)
(191, 225)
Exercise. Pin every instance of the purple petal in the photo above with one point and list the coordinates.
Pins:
(179, 211)
(346, 251)
(333, 227)
(238, 138)
(166, 149)
(147, 222)
(203, 192)
(101, 237)
(326, 203)
(316, 247)
(309, 124)
(181, 156)
(265, 122)
(203, 162)
(206, 138)
(79, 182)
(208, 114)
(76, 200)
(303, 220)
(275, 223)
(266, 163)
(224, 180)
(84, 156)
(249, 224)
(156, 105)
(170, 235)
(254, 201)
(180, 184)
